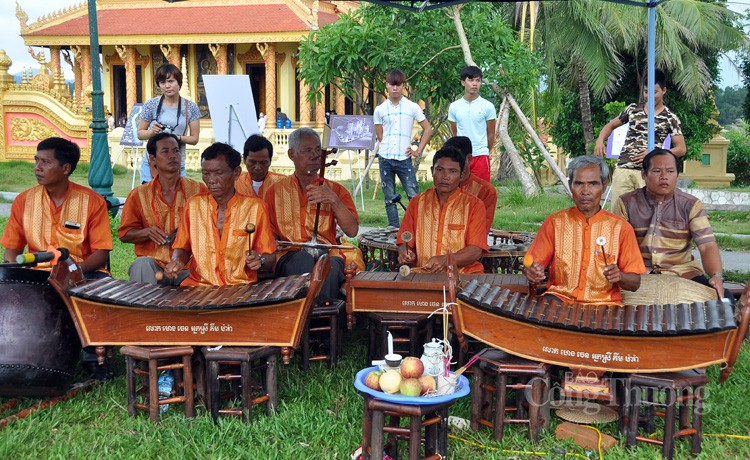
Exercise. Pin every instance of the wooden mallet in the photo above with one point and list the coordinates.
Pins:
(407, 237)
(250, 229)
(528, 261)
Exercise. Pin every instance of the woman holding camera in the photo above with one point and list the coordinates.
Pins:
(168, 113)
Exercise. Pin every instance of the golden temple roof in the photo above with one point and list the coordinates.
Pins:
(154, 22)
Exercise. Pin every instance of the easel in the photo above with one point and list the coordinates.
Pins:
(358, 188)
(234, 117)
(351, 174)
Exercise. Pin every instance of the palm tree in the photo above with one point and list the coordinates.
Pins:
(585, 42)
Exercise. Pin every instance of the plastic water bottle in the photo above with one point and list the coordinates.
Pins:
(166, 383)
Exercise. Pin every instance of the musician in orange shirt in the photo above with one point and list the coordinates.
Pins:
(444, 218)
(592, 253)
(61, 213)
(227, 233)
(152, 211)
(292, 205)
(257, 155)
(471, 183)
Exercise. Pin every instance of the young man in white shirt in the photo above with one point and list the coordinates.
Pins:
(394, 120)
(474, 117)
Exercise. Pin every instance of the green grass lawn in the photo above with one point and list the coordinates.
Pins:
(320, 412)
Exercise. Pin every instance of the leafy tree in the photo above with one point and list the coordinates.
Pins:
(358, 49)
(690, 34)
(729, 102)
(738, 156)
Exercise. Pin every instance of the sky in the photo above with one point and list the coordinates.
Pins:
(13, 45)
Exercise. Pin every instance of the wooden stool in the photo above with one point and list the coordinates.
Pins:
(497, 372)
(410, 332)
(173, 358)
(683, 388)
(326, 323)
(244, 360)
(433, 418)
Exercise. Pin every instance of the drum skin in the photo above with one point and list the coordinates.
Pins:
(39, 346)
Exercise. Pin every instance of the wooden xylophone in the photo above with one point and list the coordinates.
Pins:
(630, 338)
(505, 255)
(389, 292)
(117, 312)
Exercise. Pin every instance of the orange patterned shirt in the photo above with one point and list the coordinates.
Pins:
(293, 218)
(145, 207)
(567, 243)
(460, 223)
(244, 184)
(80, 224)
(485, 192)
(219, 260)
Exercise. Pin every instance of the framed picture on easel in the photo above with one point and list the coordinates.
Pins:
(352, 132)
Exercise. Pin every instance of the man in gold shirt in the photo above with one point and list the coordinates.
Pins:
(444, 218)
(592, 254)
(227, 233)
(152, 212)
(292, 204)
(61, 213)
(257, 155)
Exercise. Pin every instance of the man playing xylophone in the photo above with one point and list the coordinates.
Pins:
(667, 221)
(444, 218)
(257, 155)
(592, 253)
(61, 213)
(228, 234)
(152, 212)
(298, 201)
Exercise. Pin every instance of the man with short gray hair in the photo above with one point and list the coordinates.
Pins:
(292, 205)
(592, 254)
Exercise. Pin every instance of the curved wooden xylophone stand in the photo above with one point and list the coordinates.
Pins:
(744, 311)
(102, 321)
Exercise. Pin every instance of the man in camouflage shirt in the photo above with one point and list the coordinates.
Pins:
(627, 175)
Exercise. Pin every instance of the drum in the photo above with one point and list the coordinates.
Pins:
(506, 251)
(379, 249)
(39, 346)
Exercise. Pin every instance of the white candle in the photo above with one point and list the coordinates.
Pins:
(390, 343)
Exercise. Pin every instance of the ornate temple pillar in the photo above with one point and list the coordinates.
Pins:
(219, 51)
(366, 97)
(86, 75)
(268, 51)
(127, 54)
(54, 60)
(75, 64)
(171, 53)
(340, 102)
(304, 103)
(320, 107)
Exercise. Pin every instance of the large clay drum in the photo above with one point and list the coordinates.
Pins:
(39, 346)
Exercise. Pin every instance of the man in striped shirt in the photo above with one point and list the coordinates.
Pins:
(394, 120)
(668, 221)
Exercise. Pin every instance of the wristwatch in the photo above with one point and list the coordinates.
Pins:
(719, 274)
(262, 260)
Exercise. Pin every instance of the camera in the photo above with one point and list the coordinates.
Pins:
(167, 129)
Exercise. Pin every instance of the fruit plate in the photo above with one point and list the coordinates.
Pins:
(461, 391)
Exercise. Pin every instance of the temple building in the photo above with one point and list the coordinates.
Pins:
(258, 38)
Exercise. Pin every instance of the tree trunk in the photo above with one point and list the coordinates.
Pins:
(456, 16)
(585, 106)
(527, 181)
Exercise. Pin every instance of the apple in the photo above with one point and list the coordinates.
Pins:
(372, 380)
(390, 381)
(428, 383)
(412, 368)
(410, 387)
